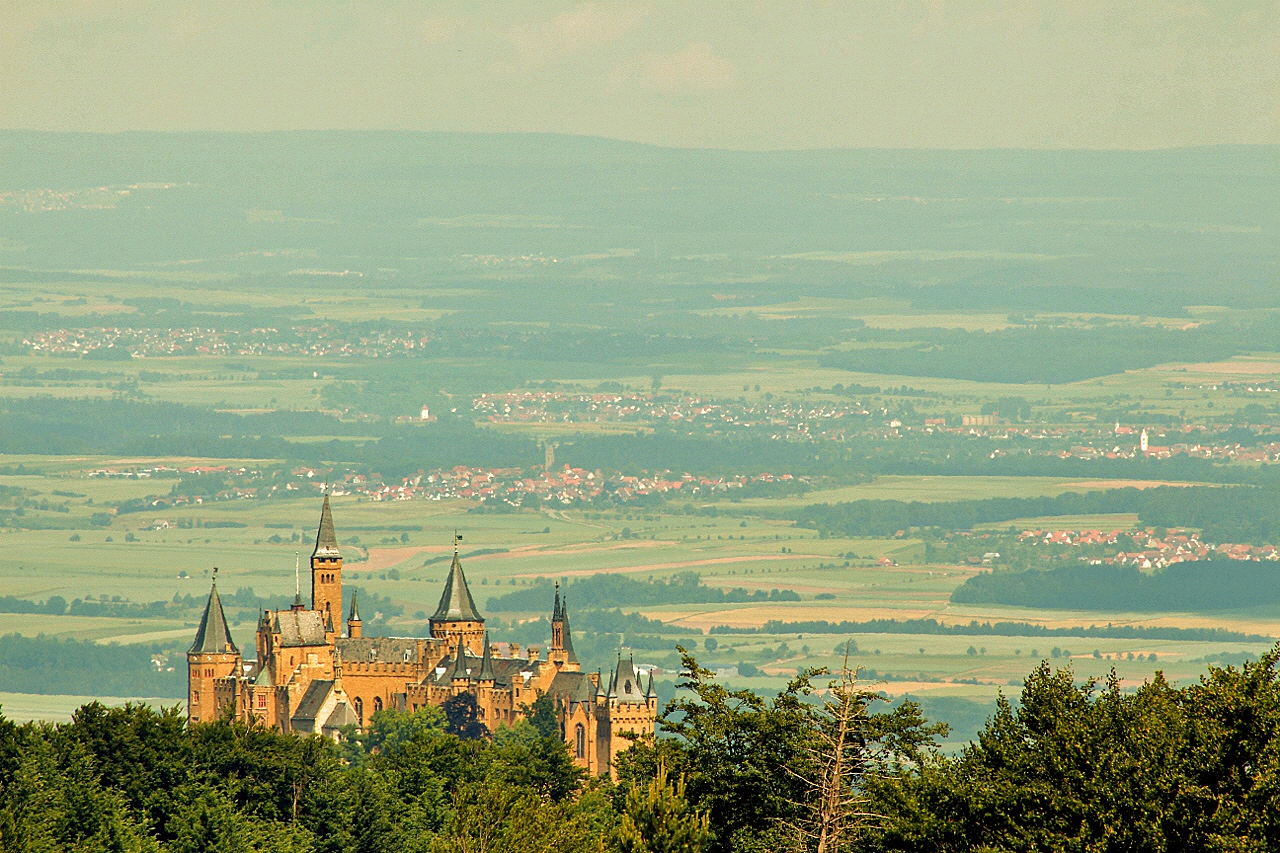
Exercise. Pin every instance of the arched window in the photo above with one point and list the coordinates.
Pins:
(377, 704)
(579, 741)
(360, 710)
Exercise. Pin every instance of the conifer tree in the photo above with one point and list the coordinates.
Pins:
(658, 819)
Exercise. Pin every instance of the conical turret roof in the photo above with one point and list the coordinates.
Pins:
(213, 636)
(326, 539)
(354, 616)
(456, 604)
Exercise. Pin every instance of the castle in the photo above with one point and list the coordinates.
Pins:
(311, 678)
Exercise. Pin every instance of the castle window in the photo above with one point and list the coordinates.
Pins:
(195, 696)
(579, 741)
(360, 710)
(377, 704)
(262, 700)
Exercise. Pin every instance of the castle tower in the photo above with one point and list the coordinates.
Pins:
(212, 656)
(326, 567)
(456, 620)
(561, 653)
(1144, 441)
(354, 629)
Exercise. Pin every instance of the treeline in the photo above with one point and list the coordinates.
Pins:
(1206, 585)
(134, 779)
(57, 426)
(48, 665)
(995, 629)
(1098, 767)
(617, 590)
(1040, 354)
(1235, 514)
(1074, 766)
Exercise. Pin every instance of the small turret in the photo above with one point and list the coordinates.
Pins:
(486, 664)
(459, 671)
(354, 629)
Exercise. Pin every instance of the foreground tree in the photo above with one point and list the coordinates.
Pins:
(1094, 767)
(657, 818)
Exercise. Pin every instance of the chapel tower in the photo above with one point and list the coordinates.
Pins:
(561, 653)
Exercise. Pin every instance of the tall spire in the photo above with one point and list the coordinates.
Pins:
(568, 635)
(355, 609)
(297, 581)
(326, 539)
(456, 604)
(213, 636)
(556, 611)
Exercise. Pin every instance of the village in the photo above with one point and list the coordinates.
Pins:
(1145, 548)
(509, 487)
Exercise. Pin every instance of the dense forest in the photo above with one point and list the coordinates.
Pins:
(1071, 767)
(1197, 586)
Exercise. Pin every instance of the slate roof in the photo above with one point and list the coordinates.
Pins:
(343, 715)
(304, 718)
(300, 627)
(326, 539)
(213, 636)
(391, 649)
(456, 604)
(354, 616)
(574, 687)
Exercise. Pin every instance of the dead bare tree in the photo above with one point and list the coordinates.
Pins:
(843, 752)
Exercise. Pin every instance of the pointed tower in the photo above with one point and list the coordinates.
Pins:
(326, 567)
(561, 652)
(456, 620)
(354, 629)
(213, 656)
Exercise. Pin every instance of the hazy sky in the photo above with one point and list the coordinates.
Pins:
(742, 74)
